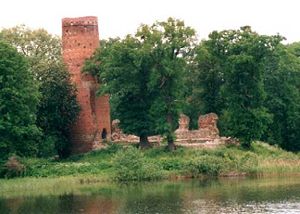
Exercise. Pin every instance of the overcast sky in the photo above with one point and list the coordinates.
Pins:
(121, 17)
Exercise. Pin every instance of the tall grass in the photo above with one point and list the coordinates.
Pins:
(31, 186)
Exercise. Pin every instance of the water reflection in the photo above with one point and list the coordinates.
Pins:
(276, 195)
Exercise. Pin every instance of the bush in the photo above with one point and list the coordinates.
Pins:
(205, 165)
(131, 165)
(47, 148)
(112, 148)
(172, 164)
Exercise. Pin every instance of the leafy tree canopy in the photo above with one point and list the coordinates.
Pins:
(124, 67)
(58, 107)
(172, 45)
(282, 79)
(143, 75)
(230, 69)
(19, 98)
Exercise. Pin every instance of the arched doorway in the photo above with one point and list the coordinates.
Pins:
(104, 134)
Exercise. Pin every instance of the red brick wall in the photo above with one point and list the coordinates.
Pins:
(80, 38)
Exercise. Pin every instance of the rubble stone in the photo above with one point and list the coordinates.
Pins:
(206, 136)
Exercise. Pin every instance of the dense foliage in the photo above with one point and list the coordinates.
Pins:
(19, 98)
(282, 79)
(244, 51)
(57, 108)
(252, 82)
(171, 43)
(143, 74)
(124, 72)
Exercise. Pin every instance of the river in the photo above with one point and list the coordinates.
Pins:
(226, 195)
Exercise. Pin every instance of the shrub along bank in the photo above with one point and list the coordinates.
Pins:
(127, 163)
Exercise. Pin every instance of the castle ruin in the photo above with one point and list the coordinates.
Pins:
(80, 38)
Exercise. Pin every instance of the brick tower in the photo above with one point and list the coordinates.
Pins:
(80, 38)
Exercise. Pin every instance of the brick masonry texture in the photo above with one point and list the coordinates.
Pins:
(80, 38)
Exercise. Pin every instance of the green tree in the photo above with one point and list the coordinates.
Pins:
(143, 74)
(231, 57)
(208, 76)
(40, 48)
(282, 79)
(228, 79)
(19, 98)
(245, 116)
(58, 108)
(204, 81)
(57, 111)
(123, 67)
(172, 43)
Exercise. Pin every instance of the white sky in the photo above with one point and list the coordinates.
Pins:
(121, 17)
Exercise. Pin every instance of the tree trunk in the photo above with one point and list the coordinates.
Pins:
(171, 144)
(170, 138)
(144, 143)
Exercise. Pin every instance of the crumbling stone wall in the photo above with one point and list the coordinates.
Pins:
(207, 134)
(80, 38)
(207, 129)
(119, 136)
(208, 122)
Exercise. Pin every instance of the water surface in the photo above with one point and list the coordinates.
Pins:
(231, 195)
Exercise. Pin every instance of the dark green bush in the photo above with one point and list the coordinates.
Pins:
(131, 165)
(2, 169)
(47, 148)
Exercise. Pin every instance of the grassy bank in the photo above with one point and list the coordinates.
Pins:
(122, 163)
